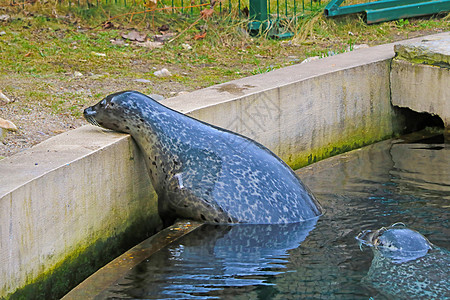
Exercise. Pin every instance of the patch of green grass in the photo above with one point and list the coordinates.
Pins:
(51, 42)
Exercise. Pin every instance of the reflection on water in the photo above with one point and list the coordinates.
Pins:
(216, 257)
(393, 181)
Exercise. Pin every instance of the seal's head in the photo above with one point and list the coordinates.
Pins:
(114, 111)
(396, 242)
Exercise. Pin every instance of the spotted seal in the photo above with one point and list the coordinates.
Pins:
(203, 172)
(405, 264)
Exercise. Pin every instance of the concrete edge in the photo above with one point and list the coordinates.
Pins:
(235, 89)
(117, 268)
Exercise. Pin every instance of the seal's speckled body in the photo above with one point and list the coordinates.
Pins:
(204, 172)
(405, 264)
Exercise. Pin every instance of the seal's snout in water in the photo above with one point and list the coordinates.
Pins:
(405, 264)
(203, 172)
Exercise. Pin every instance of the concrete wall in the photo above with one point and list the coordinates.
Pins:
(422, 88)
(73, 199)
(57, 200)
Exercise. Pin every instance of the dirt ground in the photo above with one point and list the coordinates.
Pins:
(37, 122)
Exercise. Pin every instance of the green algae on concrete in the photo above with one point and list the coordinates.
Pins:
(56, 282)
(83, 198)
(92, 287)
(300, 160)
(433, 51)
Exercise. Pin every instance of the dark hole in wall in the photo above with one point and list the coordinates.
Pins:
(415, 121)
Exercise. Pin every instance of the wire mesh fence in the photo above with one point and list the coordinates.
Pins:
(238, 8)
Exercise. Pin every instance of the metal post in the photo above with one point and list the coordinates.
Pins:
(258, 10)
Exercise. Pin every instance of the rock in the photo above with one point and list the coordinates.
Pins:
(162, 73)
(2, 33)
(163, 37)
(5, 126)
(430, 51)
(142, 80)
(150, 44)
(118, 42)
(77, 74)
(186, 46)
(310, 59)
(134, 36)
(3, 99)
(4, 18)
(98, 54)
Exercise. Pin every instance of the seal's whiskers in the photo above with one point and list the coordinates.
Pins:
(92, 120)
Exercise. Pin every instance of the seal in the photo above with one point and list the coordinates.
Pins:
(405, 264)
(203, 172)
(396, 242)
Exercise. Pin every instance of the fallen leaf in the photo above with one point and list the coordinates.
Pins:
(28, 54)
(134, 36)
(163, 37)
(117, 42)
(151, 4)
(150, 44)
(98, 54)
(200, 36)
(206, 13)
(164, 27)
(108, 25)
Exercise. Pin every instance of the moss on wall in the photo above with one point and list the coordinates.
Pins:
(303, 159)
(84, 261)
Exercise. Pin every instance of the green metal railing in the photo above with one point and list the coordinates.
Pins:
(269, 16)
(265, 16)
(387, 10)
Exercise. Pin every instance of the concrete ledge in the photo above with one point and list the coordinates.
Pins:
(71, 202)
(420, 77)
(65, 195)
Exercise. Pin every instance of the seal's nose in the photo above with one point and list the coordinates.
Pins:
(89, 112)
(89, 115)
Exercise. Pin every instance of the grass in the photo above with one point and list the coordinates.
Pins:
(49, 43)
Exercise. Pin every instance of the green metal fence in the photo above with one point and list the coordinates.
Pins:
(386, 10)
(274, 9)
(272, 16)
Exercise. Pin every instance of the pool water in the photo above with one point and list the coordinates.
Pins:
(401, 180)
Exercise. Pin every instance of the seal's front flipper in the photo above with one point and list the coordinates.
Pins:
(185, 198)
